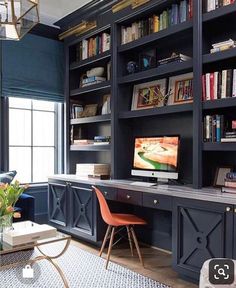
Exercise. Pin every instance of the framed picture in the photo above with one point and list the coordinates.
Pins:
(220, 175)
(149, 95)
(89, 110)
(180, 89)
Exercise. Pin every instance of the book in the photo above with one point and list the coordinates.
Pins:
(229, 82)
(230, 184)
(82, 141)
(231, 175)
(208, 86)
(215, 85)
(224, 81)
(86, 169)
(234, 84)
(228, 140)
(228, 190)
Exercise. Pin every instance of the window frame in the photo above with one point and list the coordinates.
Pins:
(58, 137)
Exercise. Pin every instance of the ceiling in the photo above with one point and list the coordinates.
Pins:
(53, 10)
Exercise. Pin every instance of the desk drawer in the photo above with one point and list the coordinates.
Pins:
(108, 192)
(131, 197)
(157, 201)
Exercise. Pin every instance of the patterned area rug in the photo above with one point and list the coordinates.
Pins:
(81, 268)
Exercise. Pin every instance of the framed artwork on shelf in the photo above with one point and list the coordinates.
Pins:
(149, 95)
(89, 110)
(220, 175)
(180, 89)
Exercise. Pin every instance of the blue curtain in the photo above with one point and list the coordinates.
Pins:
(33, 68)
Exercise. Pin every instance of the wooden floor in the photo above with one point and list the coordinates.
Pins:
(157, 263)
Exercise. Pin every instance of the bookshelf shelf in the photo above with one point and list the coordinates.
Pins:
(91, 60)
(156, 111)
(90, 147)
(91, 88)
(158, 71)
(149, 39)
(220, 12)
(219, 56)
(95, 119)
(220, 103)
(215, 146)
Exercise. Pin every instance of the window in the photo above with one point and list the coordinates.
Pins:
(33, 139)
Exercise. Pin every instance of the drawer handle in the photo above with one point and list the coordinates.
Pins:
(228, 209)
(105, 192)
(128, 196)
(155, 202)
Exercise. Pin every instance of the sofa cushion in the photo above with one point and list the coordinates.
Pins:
(7, 177)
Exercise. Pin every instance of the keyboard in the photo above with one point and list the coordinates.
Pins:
(143, 184)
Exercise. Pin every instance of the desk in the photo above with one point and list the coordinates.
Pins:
(202, 220)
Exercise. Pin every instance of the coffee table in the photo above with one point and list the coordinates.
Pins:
(6, 249)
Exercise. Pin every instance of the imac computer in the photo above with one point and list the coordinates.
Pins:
(156, 157)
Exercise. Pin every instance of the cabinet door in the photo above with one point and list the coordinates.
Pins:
(57, 201)
(234, 234)
(82, 204)
(201, 230)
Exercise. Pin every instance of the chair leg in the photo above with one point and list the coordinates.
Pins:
(130, 240)
(110, 245)
(105, 240)
(136, 245)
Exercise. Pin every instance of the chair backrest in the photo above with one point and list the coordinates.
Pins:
(105, 211)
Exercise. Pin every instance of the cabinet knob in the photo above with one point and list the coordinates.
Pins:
(155, 201)
(128, 196)
(228, 209)
(105, 192)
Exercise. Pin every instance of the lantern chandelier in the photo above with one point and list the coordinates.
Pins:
(17, 17)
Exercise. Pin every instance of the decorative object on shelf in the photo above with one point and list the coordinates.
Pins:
(79, 29)
(224, 45)
(95, 72)
(175, 57)
(146, 61)
(180, 89)
(9, 194)
(126, 3)
(83, 170)
(89, 110)
(230, 183)
(132, 67)
(149, 95)
(106, 107)
(17, 18)
(102, 140)
(76, 110)
(220, 175)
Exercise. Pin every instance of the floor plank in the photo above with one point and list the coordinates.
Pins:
(157, 264)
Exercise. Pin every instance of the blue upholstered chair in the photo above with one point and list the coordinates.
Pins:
(25, 205)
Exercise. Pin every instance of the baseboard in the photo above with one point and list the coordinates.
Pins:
(156, 248)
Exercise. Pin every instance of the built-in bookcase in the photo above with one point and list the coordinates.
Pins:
(193, 37)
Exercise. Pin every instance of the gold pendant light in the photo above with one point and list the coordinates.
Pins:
(17, 17)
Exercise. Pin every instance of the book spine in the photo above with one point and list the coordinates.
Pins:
(208, 90)
(229, 83)
(224, 80)
(203, 87)
(155, 23)
(218, 132)
(219, 88)
(212, 86)
(215, 84)
(234, 83)
(231, 175)
(213, 136)
(208, 128)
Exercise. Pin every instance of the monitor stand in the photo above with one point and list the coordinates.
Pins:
(159, 181)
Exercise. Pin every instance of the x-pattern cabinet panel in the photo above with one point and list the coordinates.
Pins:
(201, 231)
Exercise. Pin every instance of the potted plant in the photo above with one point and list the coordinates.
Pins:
(9, 194)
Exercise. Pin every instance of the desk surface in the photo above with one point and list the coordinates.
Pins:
(182, 191)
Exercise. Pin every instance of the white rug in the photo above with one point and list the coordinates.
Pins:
(81, 268)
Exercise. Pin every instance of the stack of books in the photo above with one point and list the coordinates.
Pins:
(93, 46)
(177, 13)
(230, 183)
(92, 80)
(213, 128)
(92, 170)
(229, 137)
(102, 140)
(173, 58)
(219, 84)
(83, 142)
(224, 45)
(210, 5)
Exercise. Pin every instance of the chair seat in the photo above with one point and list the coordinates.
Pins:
(127, 219)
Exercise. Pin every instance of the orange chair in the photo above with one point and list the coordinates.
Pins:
(117, 220)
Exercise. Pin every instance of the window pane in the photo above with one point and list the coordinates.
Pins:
(43, 128)
(20, 160)
(43, 164)
(19, 103)
(43, 105)
(20, 127)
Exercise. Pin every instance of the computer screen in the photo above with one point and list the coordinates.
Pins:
(156, 153)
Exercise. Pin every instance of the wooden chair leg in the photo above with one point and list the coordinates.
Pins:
(136, 245)
(110, 245)
(105, 240)
(130, 240)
